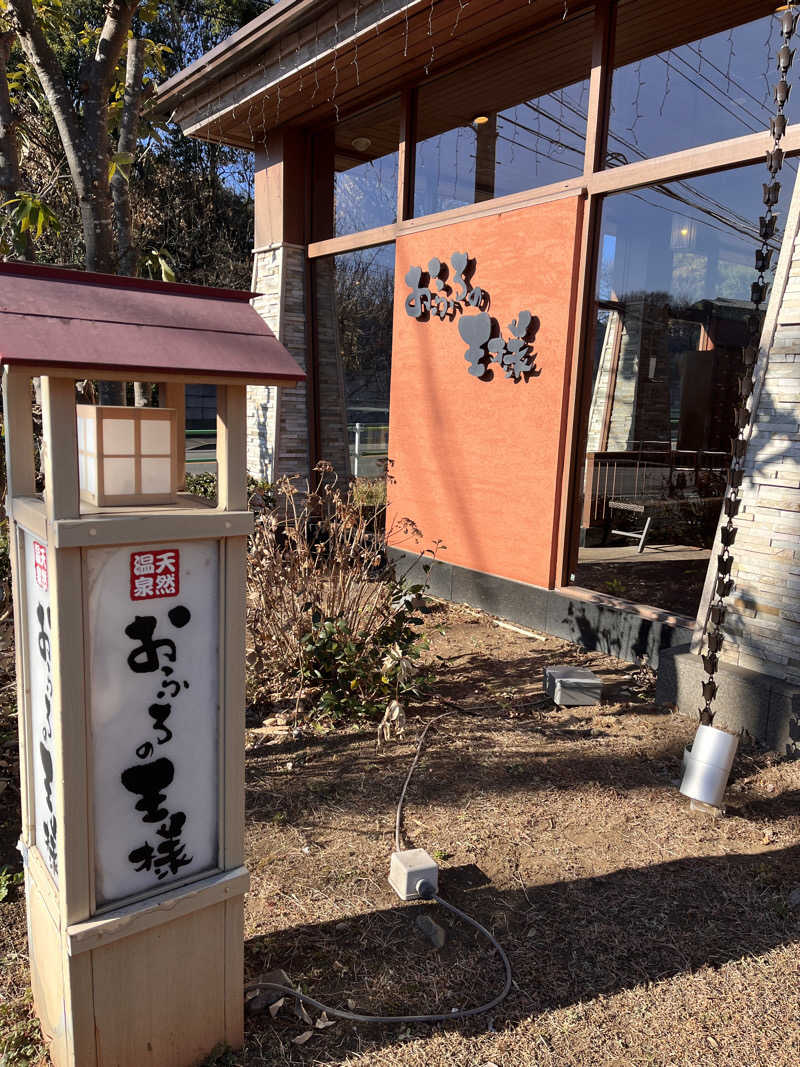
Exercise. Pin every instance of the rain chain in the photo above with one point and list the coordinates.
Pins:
(758, 294)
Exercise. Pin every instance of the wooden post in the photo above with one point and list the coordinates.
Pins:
(174, 396)
(125, 969)
(231, 447)
(60, 437)
(407, 156)
(581, 376)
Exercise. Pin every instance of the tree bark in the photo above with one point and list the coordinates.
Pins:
(128, 139)
(85, 138)
(9, 154)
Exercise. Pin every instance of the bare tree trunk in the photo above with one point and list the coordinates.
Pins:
(9, 156)
(128, 139)
(84, 136)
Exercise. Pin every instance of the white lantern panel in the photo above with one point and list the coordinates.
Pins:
(156, 475)
(118, 437)
(154, 714)
(91, 435)
(82, 470)
(119, 477)
(81, 434)
(41, 709)
(91, 475)
(156, 437)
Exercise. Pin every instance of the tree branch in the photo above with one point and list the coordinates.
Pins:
(114, 34)
(51, 77)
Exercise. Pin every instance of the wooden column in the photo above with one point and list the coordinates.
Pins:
(407, 155)
(173, 395)
(485, 150)
(586, 268)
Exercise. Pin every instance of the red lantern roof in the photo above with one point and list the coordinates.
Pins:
(69, 322)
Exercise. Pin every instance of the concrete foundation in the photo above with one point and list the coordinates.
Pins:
(593, 620)
(767, 708)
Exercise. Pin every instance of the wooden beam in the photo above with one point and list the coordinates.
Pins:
(600, 86)
(485, 157)
(407, 155)
(691, 162)
(384, 234)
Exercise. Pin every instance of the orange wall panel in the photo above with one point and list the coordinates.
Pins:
(478, 464)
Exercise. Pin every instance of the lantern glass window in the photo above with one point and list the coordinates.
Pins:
(127, 456)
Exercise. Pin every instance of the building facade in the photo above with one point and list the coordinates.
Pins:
(512, 244)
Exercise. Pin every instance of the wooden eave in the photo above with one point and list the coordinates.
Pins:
(329, 68)
(315, 64)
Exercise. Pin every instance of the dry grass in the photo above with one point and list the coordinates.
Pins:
(639, 933)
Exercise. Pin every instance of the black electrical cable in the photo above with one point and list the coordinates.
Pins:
(356, 1017)
(426, 893)
(411, 770)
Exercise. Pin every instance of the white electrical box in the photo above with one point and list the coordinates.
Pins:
(409, 868)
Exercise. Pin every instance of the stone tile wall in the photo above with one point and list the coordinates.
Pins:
(278, 419)
(762, 624)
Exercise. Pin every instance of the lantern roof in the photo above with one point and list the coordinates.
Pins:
(74, 323)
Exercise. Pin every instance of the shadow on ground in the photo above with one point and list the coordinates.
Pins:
(568, 941)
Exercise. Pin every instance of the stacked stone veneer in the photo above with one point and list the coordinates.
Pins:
(278, 419)
(762, 624)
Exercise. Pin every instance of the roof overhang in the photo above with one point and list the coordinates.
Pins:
(81, 325)
(310, 62)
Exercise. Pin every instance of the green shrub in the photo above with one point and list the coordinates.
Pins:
(259, 492)
(330, 621)
(20, 1035)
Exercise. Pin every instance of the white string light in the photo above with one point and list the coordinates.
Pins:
(429, 64)
(461, 5)
(355, 42)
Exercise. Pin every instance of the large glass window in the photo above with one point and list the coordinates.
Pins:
(675, 89)
(364, 296)
(673, 299)
(365, 169)
(514, 121)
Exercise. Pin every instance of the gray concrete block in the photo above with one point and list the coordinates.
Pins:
(767, 708)
(571, 686)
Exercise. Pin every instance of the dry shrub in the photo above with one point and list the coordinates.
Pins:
(331, 623)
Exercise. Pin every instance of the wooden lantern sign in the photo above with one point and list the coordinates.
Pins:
(129, 611)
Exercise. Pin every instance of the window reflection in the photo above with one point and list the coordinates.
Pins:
(511, 121)
(675, 267)
(365, 169)
(364, 299)
(713, 88)
(537, 142)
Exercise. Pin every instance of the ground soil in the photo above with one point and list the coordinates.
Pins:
(639, 932)
(674, 585)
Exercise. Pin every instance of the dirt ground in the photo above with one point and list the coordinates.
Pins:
(639, 932)
(674, 585)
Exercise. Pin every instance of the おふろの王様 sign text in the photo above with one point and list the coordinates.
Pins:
(40, 696)
(154, 634)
